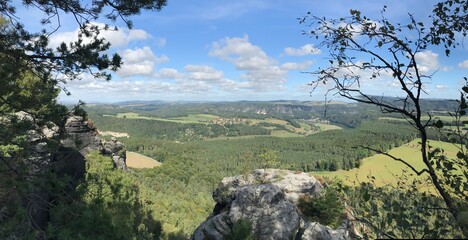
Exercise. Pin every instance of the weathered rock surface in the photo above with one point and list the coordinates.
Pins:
(117, 151)
(293, 184)
(81, 136)
(268, 200)
(317, 231)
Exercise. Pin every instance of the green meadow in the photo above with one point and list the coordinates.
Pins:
(386, 170)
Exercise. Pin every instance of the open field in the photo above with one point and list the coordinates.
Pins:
(386, 170)
(284, 134)
(114, 134)
(326, 127)
(136, 160)
(195, 118)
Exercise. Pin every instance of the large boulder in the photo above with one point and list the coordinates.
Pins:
(293, 184)
(267, 200)
(264, 206)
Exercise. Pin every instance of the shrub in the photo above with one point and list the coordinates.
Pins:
(325, 208)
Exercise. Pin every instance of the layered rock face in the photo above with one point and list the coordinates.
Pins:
(268, 200)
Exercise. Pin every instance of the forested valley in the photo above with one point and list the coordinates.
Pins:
(196, 153)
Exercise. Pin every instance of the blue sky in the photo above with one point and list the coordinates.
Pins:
(210, 50)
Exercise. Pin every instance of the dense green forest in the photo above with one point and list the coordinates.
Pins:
(179, 192)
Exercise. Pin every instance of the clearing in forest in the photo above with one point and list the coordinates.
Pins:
(136, 160)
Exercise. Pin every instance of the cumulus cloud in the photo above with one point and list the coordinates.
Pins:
(307, 49)
(140, 61)
(428, 62)
(463, 64)
(169, 73)
(117, 38)
(297, 66)
(262, 73)
(258, 73)
(203, 73)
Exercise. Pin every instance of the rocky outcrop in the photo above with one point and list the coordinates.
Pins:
(293, 184)
(117, 151)
(268, 200)
(81, 136)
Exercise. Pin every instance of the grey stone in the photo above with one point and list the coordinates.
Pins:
(271, 215)
(268, 200)
(293, 184)
(317, 231)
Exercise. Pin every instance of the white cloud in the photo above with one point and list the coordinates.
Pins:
(140, 61)
(427, 61)
(307, 49)
(136, 34)
(296, 66)
(161, 59)
(203, 73)
(169, 73)
(262, 73)
(117, 38)
(463, 64)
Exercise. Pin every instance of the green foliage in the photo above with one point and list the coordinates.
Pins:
(269, 158)
(179, 191)
(404, 212)
(326, 208)
(241, 230)
(105, 205)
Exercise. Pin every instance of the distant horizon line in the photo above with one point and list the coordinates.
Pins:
(221, 101)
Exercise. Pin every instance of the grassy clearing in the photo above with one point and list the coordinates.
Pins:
(114, 134)
(195, 118)
(136, 160)
(284, 134)
(385, 170)
(326, 127)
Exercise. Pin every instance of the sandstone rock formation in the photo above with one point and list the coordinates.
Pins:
(117, 151)
(268, 200)
(81, 136)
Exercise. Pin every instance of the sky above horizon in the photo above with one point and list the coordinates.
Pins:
(210, 50)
